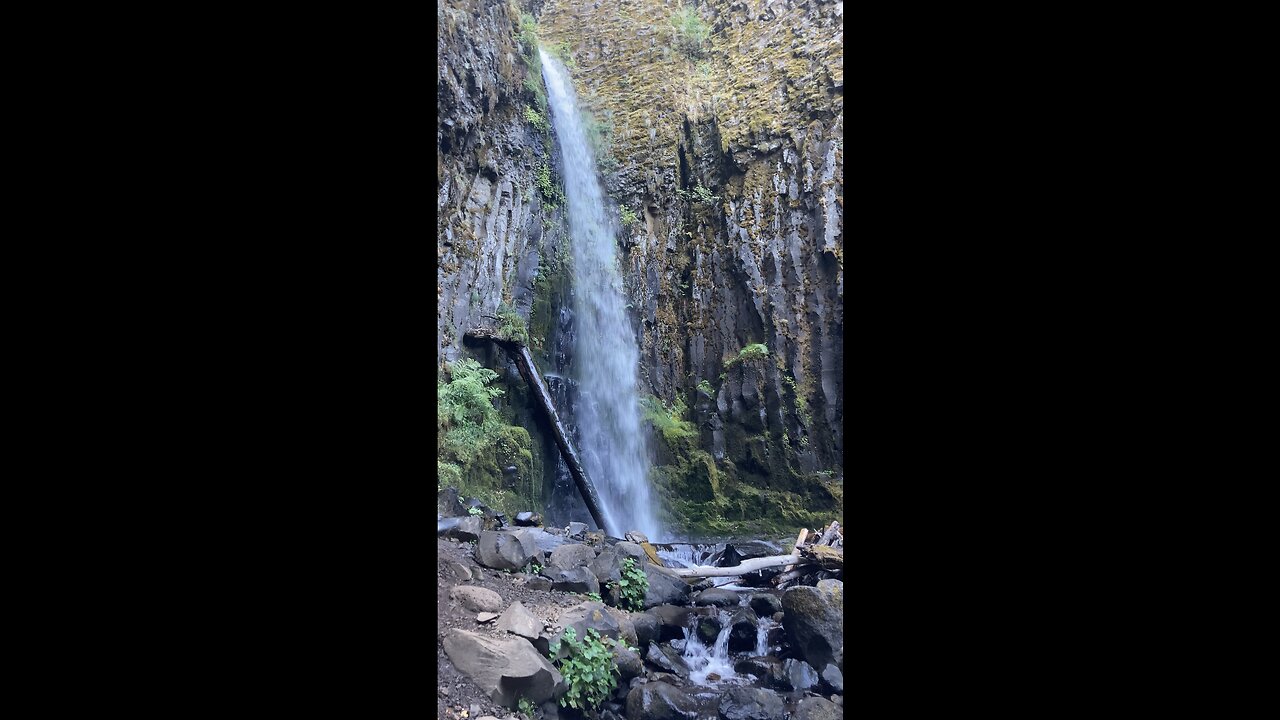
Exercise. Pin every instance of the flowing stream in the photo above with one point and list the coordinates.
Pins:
(607, 412)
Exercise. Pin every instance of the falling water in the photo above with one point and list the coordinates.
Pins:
(607, 413)
(704, 661)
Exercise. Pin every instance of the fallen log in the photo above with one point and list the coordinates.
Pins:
(830, 534)
(529, 371)
(747, 566)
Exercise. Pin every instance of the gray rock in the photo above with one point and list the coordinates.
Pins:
(476, 599)
(528, 519)
(505, 669)
(577, 529)
(743, 703)
(816, 708)
(765, 604)
(777, 617)
(591, 615)
(717, 597)
(459, 571)
(673, 619)
(664, 589)
(577, 580)
(666, 658)
(625, 624)
(636, 536)
(833, 591)
(466, 528)
(660, 701)
(800, 674)
(814, 626)
(545, 542)
(631, 549)
(538, 583)
(708, 629)
(628, 661)
(743, 635)
(767, 669)
(646, 627)
(485, 617)
(517, 620)
(504, 550)
(833, 679)
(607, 566)
(571, 555)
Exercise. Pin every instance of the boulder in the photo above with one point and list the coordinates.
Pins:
(485, 617)
(744, 703)
(517, 620)
(637, 537)
(628, 661)
(660, 701)
(538, 583)
(767, 669)
(664, 589)
(765, 604)
(576, 580)
(576, 529)
(458, 571)
(625, 625)
(833, 591)
(646, 626)
(816, 708)
(814, 626)
(800, 674)
(528, 519)
(717, 597)
(708, 629)
(833, 679)
(466, 528)
(502, 550)
(666, 658)
(506, 669)
(673, 619)
(607, 566)
(591, 615)
(630, 549)
(545, 542)
(743, 635)
(571, 555)
(476, 599)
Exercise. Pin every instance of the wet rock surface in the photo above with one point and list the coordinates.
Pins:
(814, 625)
(741, 703)
(660, 701)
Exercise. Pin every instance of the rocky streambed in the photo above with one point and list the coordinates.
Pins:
(695, 651)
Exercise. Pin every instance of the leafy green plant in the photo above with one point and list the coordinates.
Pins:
(526, 707)
(594, 596)
(535, 568)
(705, 387)
(532, 62)
(633, 586)
(689, 31)
(588, 669)
(536, 119)
(629, 217)
(703, 195)
(511, 326)
(755, 351)
(475, 511)
(668, 420)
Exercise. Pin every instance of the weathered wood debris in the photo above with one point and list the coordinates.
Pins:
(812, 553)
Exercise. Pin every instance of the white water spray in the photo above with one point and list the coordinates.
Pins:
(607, 413)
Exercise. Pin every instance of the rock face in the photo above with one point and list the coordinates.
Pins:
(504, 550)
(667, 658)
(646, 626)
(660, 701)
(571, 555)
(733, 183)
(465, 529)
(476, 599)
(629, 663)
(767, 669)
(741, 703)
(506, 670)
(814, 626)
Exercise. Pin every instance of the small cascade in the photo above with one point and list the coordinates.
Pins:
(762, 637)
(704, 661)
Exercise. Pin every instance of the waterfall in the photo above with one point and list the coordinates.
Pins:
(607, 412)
(704, 661)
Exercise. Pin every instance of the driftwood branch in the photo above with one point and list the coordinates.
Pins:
(747, 566)
(529, 371)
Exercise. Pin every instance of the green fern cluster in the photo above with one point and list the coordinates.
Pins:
(511, 326)
(667, 420)
(754, 351)
(629, 217)
(588, 669)
(633, 586)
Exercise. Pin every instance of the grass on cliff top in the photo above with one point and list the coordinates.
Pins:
(754, 351)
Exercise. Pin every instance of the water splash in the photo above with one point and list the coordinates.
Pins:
(704, 661)
(607, 413)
